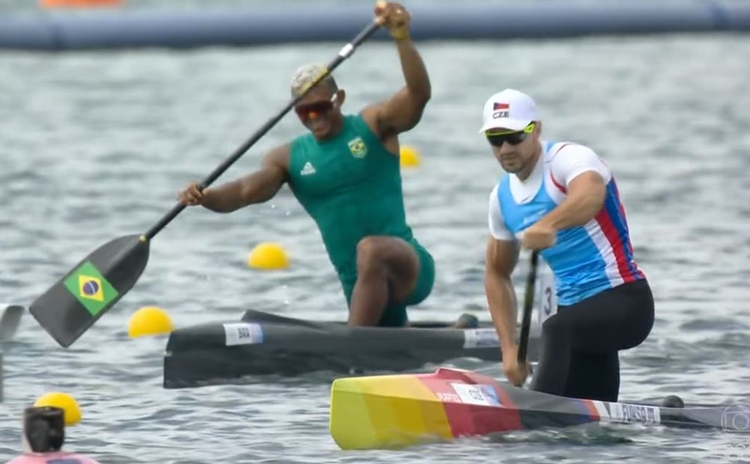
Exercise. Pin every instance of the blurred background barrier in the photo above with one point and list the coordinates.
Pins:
(114, 27)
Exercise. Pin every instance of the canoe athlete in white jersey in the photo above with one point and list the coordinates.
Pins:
(561, 199)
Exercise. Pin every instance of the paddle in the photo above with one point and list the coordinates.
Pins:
(103, 277)
(528, 304)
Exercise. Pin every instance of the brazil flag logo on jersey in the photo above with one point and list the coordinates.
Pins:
(90, 288)
(357, 147)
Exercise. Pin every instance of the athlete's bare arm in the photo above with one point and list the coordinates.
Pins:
(404, 109)
(501, 259)
(586, 195)
(256, 187)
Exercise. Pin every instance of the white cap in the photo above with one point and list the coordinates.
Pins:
(509, 109)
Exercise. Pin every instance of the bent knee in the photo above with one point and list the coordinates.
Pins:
(370, 247)
(639, 331)
(390, 255)
(371, 254)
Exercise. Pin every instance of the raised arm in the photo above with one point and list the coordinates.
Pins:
(404, 109)
(256, 187)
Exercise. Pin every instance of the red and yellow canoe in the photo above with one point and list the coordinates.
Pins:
(393, 411)
(401, 410)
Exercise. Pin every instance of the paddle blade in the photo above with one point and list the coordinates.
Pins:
(88, 291)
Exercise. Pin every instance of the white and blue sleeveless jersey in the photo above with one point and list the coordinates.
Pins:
(586, 259)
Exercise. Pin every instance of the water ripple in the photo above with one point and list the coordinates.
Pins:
(97, 145)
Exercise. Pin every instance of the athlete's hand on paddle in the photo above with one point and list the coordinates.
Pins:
(192, 196)
(515, 372)
(538, 237)
(393, 17)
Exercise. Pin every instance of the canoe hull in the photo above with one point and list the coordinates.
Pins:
(264, 344)
(395, 411)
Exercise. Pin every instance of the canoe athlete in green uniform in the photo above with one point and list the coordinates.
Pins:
(346, 174)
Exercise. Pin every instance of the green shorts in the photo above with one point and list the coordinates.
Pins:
(395, 314)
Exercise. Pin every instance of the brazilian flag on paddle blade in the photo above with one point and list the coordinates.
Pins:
(90, 287)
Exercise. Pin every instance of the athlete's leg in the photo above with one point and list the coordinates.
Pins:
(382, 260)
(616, 319)
(593, 330)
(551, 375)
(593, 376)
(565, 371)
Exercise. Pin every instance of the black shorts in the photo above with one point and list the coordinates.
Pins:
(580, 343)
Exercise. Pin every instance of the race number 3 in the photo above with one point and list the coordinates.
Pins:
(547, 296)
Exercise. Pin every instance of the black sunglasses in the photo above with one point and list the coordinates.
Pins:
(497, 139)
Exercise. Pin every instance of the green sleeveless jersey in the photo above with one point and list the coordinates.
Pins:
(351, 186)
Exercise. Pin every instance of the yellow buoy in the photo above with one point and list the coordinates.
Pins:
(67, 403)
(268, 256)
(409, 156)
(149, 320)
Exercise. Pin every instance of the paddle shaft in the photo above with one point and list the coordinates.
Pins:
(528, 304)
(343, 54)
